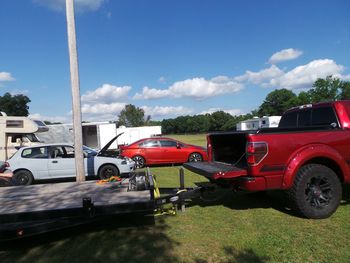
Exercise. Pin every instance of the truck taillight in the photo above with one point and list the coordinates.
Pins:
(256, 152)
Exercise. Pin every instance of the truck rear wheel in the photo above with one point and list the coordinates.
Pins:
(316, 191)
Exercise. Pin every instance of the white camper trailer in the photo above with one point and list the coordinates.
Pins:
(257, 123)
(16, 132)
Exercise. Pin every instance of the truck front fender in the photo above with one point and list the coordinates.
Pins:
(314, 151)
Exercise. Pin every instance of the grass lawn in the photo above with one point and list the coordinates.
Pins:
(235, 228)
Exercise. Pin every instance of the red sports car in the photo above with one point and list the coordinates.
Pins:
(162, 150)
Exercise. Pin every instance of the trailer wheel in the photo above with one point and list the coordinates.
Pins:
(316, 192)
(139, 161)
(23, 177)
(195, 157)
(107, 171)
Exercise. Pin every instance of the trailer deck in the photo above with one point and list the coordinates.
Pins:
(35, 209)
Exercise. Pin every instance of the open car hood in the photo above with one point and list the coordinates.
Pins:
(105, 148)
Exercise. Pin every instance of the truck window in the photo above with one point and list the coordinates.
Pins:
(289, 120)
(304, 118)
(323, 116)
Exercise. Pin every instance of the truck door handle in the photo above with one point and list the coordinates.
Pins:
(54, 162)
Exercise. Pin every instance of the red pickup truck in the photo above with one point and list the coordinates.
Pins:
(308, 155)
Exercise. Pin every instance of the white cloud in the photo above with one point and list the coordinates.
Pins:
(102, 108)
(6, 76)
(304, 76)
(80, 5)
(161, 111)
(260, 76)
(101, 111)
(150, 93)
(196, 88)
(285, 54)
(301, 77)
(106, 93)
(233, 112)
(62, 119)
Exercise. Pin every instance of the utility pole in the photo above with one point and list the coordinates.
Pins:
(74, 79)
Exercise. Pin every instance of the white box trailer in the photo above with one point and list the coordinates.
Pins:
(257, 123)
(98, 134)
(133, 134)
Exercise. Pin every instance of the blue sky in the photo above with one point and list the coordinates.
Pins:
(169, 57)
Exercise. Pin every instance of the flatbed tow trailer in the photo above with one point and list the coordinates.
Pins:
(36, 209)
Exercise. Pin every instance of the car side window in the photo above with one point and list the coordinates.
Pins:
(56, 152)
(168, 143)
(68, 152)
(35, 153)
(150, 143)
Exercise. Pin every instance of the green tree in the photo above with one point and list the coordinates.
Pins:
(218, 120)
(345, 91)
(328, 89)
(14, 105)
(277, 102)
(132, 116)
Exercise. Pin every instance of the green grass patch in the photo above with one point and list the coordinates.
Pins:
(235, 228)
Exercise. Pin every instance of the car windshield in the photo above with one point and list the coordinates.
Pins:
(89, 150)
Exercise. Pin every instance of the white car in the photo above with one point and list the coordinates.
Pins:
(53, 161)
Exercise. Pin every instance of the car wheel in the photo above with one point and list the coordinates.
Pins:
(139, 161)
(23, 177)
(195, 157)
(107, 171)
(316, 192)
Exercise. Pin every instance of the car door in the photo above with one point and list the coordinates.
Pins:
(152, 151)
(61, 163)
(172, 152)
(35, 159)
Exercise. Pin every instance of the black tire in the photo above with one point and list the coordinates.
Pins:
(195, 157)
(107, 171)
(316, 192)
(139, 161)
(23, 177)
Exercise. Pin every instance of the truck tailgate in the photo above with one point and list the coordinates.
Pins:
(215, 170)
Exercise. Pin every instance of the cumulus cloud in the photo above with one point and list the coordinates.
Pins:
(106, 93)
(261, 76)
(161, 111)
(101, 111)
(304, 76)
(6, 76)
(62, 119)
(300, 77)
(284, 55)
(196, 88)
(80, 5)
(233, 112)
